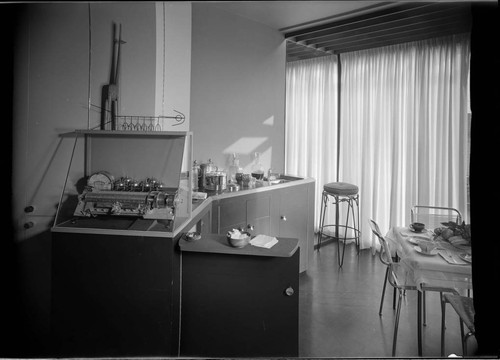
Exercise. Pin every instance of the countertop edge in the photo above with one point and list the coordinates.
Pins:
(217, 244)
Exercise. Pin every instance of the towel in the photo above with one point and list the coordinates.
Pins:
(264, 241)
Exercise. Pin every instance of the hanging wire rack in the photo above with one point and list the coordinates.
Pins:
(139, 122)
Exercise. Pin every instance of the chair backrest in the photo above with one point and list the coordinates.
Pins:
(433, 216)
(385, 253)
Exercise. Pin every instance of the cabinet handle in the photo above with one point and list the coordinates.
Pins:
(29, 225)
(289, 291)
(283, 217)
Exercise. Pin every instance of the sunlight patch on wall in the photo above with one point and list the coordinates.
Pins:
(245, 145)
(269, 121)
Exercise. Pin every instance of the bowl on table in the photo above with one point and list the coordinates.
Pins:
(238, 239)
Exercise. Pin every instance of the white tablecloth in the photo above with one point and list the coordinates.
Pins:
(430, 271)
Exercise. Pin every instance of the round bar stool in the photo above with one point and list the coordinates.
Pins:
(341, 192)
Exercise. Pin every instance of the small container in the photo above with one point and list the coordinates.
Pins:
(234, 170)
(245, 180)
(239, 243)
(232, 187)
(194, 176)
(192, 236)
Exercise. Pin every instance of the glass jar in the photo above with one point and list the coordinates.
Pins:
(257, 168)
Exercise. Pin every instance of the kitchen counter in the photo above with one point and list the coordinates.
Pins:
(217, 244)
(153, 228)
(118, 283)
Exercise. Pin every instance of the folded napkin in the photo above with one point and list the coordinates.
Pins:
(451, 259)
(264, 241)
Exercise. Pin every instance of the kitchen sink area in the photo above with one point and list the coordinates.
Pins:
(284, 179)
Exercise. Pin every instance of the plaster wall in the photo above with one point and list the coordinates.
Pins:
(237, 89)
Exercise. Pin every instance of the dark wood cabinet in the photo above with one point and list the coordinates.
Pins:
(239, 302)
(114, 296)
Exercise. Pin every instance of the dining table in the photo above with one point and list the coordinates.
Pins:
(446, 268)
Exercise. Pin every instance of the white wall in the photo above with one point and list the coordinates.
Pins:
(237, 88)
(173, 63)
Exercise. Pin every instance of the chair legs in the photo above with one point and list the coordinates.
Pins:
(424, 317)
(383, 291)
(443, 323)
(396, 324)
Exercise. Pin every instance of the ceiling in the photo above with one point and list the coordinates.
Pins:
(295, 15)
(319, 28)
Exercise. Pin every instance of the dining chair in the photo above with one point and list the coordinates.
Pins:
(433, 216)
(397, 276)
(464, 307)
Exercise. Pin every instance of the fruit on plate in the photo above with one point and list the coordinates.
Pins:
(458, 240)
(438, 238)
(447, 233)
(453, 232)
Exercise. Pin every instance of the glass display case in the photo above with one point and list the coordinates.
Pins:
(127, 181)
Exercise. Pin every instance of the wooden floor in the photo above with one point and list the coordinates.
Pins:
(339, 311)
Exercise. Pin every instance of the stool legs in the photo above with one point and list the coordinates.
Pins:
(350, 200)
(349, 208)
(322, 218)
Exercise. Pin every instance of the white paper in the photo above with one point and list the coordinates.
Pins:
(264, 241)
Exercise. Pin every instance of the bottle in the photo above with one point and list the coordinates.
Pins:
(257, 168)
(211, 166)
(234, 170)
(194, 176)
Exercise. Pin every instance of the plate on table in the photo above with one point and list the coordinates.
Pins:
(465, 257)
(433, 252)
(414, 240)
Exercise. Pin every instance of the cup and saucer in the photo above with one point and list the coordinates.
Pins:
(417, 227)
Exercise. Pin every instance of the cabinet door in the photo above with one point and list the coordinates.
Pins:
(243, 211)
(296, 219)
(239, 306)
(259, 214)
(229, 214)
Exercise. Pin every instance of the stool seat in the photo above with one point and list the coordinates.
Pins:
(341, 188)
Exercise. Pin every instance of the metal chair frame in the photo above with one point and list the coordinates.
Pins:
(415, 212)
(414, 218)
(463, 299)
(386, 258)
(337, 200)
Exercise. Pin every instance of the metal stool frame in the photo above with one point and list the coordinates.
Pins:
(337, 200)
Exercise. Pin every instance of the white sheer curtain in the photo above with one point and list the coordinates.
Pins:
(404, 128)
(311, 145)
